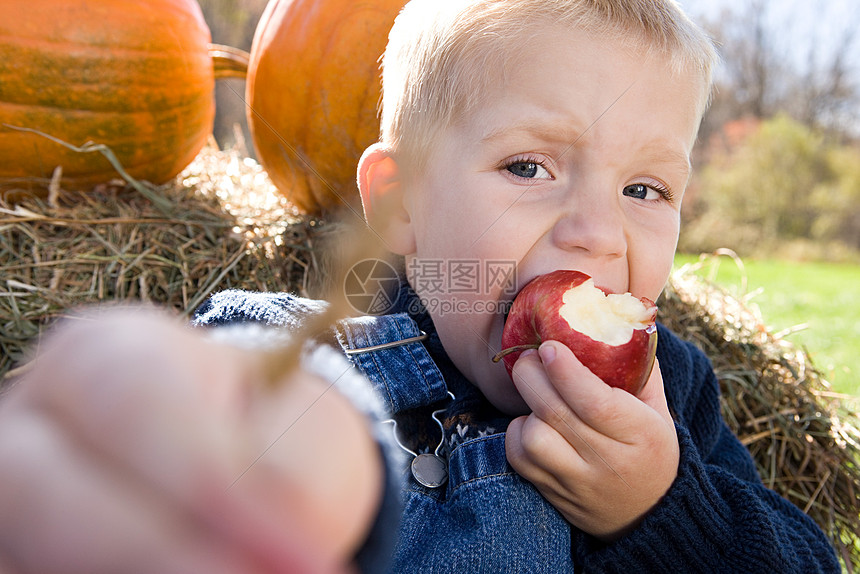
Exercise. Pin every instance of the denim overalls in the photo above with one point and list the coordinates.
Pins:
(485, 519)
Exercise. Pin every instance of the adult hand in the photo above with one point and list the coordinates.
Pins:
(136, 445)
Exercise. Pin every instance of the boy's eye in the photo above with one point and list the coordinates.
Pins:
(641, 191)
(636, 190)
(528, 170)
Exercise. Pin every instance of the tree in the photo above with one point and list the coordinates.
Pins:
(784, 184)
(776, 62)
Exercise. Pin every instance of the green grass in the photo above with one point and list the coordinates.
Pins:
(822, 300)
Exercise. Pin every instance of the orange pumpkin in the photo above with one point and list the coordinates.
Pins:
(312, 91)
(135, 76)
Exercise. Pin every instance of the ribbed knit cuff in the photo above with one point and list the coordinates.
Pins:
(685, 532)
(712, 521)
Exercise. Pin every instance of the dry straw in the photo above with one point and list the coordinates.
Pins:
(226, 227)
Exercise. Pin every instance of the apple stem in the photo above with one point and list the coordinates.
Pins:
(515, 349)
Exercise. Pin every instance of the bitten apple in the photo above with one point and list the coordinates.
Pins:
(614, 335)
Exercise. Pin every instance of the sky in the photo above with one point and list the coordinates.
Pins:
(799, 28)
(800, 22)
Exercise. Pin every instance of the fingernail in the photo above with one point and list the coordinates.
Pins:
(547, 354)
(527, 352)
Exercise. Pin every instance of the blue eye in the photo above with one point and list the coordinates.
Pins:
(524, 169)
(653, 192)
(637, 190)
(528, 170)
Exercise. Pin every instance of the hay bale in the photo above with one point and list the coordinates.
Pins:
(805, 441)
(224, 226)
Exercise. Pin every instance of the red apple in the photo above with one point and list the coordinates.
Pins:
(614, 335)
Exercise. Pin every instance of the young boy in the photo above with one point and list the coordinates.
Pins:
(527, 135)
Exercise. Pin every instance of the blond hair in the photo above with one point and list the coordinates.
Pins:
(444, 55)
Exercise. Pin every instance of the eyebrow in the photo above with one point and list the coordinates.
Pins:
(655, 151)
(666, 155)
(543, 131)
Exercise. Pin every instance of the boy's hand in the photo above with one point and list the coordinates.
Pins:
(135, 445)
(602, 457)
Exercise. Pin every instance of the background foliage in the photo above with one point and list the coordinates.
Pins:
(787, 190)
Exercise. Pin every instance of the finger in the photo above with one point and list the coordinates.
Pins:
(539, 453)
(518, 457)
(135, 401)
(607, 410)
(531, 381)
(545, 397)
(338, 507)
(60, 513)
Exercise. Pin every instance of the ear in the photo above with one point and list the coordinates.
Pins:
(383, 193)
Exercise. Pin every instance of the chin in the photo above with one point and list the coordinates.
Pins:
(504, 396)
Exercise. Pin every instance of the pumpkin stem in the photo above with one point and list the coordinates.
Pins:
(229, 62)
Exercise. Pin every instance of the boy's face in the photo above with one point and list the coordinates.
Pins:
(579, 161)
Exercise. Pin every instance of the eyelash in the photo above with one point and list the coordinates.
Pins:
(662, 189)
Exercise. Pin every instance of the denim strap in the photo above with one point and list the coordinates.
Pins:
(388, 349)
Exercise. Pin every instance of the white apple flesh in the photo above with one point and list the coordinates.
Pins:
(614, 335)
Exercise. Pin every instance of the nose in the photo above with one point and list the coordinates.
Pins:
(592, 223)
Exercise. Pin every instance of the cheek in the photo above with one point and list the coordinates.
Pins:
(651, 257)
(464, 334)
